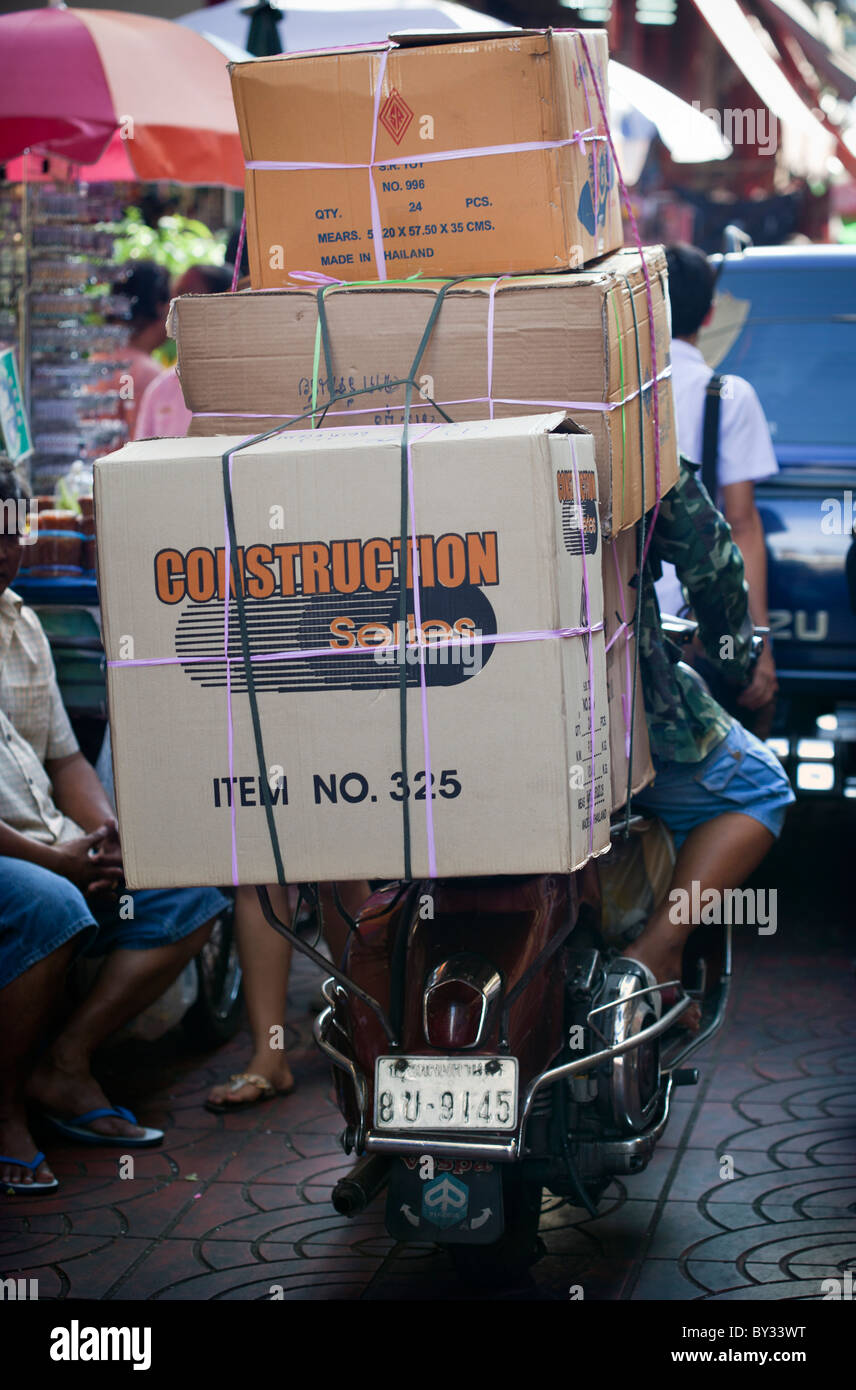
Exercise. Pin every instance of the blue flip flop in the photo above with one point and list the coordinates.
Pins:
(33, 1166)
(77, 1130)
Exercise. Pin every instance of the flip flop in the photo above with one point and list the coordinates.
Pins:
(77, 1130)
(244, 1078)
(33, 1166)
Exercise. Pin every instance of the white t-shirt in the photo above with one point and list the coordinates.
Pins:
(745, 447)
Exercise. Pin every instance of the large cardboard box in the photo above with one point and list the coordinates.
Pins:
(619, 570)
(582, 340)
(510, 735)
(354, 168)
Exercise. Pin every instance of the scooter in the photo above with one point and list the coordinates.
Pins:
(489, 1040)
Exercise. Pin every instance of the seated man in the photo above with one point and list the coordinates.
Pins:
(60, 872)
(718, 788)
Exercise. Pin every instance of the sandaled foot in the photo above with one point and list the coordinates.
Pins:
(248, 1088)
(69, 1093)
(19, 1171)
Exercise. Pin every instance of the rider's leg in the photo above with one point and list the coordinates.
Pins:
(725, 814)
(719, 854)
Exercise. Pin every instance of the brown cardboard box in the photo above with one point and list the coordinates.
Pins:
(517, 751)
(619, 568)
(246, 360)
(521, 209)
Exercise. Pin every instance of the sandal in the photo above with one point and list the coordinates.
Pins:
(248, 1078)
(34, 1165)
(79, 1132)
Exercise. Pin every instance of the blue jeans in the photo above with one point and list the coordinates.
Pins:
(40, 911)
(741, 774)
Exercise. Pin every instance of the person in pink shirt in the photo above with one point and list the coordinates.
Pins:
(162, 413)
(145, 286)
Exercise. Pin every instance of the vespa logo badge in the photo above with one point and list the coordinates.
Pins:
(445, 1201)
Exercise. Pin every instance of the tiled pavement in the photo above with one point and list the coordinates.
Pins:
(234, 1205)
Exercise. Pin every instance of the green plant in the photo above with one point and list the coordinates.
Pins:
(176, 242)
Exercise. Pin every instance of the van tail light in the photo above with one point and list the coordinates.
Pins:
(459, 1001)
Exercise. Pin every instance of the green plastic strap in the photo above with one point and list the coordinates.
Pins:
(316, 358)
(623, 402)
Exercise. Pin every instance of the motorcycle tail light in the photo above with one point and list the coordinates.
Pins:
(454, 1011)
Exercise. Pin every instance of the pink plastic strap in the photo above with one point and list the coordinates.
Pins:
(230, 734)
(631, 217)
(434, 157)
(579, 510)
(314, 277)
(377, 229)
(535, 634)
(595, 161)
(423, 685)
(628, 678)
(598, 407)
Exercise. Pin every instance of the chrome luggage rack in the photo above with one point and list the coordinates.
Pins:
(501, 1150)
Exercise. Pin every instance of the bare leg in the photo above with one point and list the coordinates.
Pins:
(266, 963)
(127, 983)
(26, 1009)
(720, 854)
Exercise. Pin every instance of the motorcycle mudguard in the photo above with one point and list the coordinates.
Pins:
(447, 1206)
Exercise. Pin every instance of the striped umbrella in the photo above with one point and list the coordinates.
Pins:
(150, 98)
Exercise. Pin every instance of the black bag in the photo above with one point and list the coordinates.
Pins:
(710, 435)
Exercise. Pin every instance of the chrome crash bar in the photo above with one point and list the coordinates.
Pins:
(492, 1150)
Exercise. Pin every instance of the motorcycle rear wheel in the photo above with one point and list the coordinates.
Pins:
(505, 1262)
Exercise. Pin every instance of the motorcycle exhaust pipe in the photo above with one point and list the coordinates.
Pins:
(352, 1194)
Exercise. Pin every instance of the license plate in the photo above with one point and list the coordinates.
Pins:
(446, 1093)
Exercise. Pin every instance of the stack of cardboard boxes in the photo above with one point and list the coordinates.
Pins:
(438, 618)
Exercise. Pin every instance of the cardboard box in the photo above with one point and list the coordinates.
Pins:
(246, 361)
(517, 729)
(385, 118)
(619, 569)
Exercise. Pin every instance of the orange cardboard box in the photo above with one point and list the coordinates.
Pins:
(355, 168)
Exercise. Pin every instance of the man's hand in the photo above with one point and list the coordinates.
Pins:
(92, 862)
(763, 687)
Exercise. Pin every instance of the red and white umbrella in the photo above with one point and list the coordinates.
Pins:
(138, 98)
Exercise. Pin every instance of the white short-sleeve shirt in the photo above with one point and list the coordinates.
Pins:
(745, 447)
